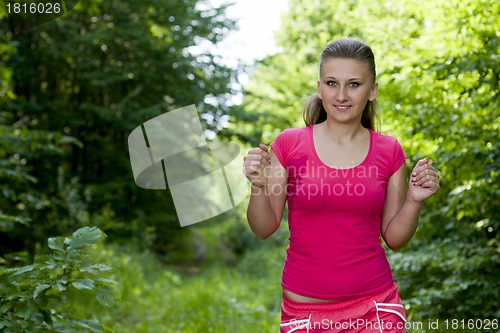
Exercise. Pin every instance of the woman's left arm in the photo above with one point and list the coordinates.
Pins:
(402, 206)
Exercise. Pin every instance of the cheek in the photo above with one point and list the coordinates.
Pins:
(323, 91)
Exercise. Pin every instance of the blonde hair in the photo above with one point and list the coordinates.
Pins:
(346, 48)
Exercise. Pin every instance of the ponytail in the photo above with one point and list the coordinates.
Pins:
(313, 111)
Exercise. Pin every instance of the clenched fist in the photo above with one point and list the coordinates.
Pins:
(424, 181)
(255, 164)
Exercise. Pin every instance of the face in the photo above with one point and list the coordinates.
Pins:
(345, 86)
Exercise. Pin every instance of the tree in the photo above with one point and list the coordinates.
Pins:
(94, 75)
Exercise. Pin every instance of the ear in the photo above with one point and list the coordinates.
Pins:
(318, 90)
(373, 92)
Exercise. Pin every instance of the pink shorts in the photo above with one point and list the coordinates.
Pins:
(379, 313)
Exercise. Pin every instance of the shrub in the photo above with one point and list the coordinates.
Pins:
(38, 298)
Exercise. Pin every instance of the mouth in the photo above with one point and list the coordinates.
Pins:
(343, 108)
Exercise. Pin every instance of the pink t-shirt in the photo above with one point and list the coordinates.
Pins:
(334, 217)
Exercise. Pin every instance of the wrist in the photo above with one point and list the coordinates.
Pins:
(257, 189)
(410, 199)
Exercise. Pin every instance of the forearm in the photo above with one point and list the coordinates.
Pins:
(262, 218)
(403, 226)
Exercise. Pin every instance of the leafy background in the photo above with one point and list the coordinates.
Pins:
(73, 88)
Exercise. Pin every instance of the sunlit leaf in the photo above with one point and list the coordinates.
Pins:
(40, 288)
(83, 284)
(85, 236)
(105, 296)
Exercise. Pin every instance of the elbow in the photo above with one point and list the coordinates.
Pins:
(263, 234)
(395, 247)
(262, 228)
(393, 242)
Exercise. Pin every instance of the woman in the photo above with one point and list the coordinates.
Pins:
(346, 186)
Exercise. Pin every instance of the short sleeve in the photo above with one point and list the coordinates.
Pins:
(279, 146)
(398, 158)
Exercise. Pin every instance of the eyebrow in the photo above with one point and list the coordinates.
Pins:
(351, 79)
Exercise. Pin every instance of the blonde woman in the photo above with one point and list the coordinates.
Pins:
(346, 186)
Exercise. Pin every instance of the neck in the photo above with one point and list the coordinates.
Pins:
(343, 132)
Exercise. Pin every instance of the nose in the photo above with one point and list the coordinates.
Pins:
(342, 94)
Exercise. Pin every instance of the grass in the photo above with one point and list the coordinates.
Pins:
(154, 298)
(213, 297)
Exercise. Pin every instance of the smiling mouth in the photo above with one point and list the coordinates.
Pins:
(343, 108)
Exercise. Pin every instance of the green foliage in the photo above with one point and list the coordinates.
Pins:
(455, 120)
(240, 240)
(158, 299)
(21, 199)
(39, 297)
(93, 75)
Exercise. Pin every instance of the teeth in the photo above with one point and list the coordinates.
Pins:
(343, 107)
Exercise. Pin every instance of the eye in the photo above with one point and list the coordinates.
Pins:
(331, 83)
(354, 84)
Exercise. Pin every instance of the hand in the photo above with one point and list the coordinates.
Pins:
(255, 163)
(424, 181)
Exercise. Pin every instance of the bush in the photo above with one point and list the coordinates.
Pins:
(39, 297)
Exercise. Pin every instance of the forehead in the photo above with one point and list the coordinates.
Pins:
(345, 68)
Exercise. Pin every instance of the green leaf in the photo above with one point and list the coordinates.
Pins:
(84, 284)
(73, 255)
(40, 288)
(107, 281)
(23, 311)
(94, 269)
(61, 285)
(23, 270)
(56, 244)
(92, 324)
(59, 256)
(5, 307)
(105, 296)
(11, 218)
(85, 236)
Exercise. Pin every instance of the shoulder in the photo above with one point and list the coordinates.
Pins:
(290, 142)
(293, 135)
(296, 131)
(388, 151)
(385, 142)
(384, 139)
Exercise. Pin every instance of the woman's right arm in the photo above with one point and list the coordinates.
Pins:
(269, 182)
